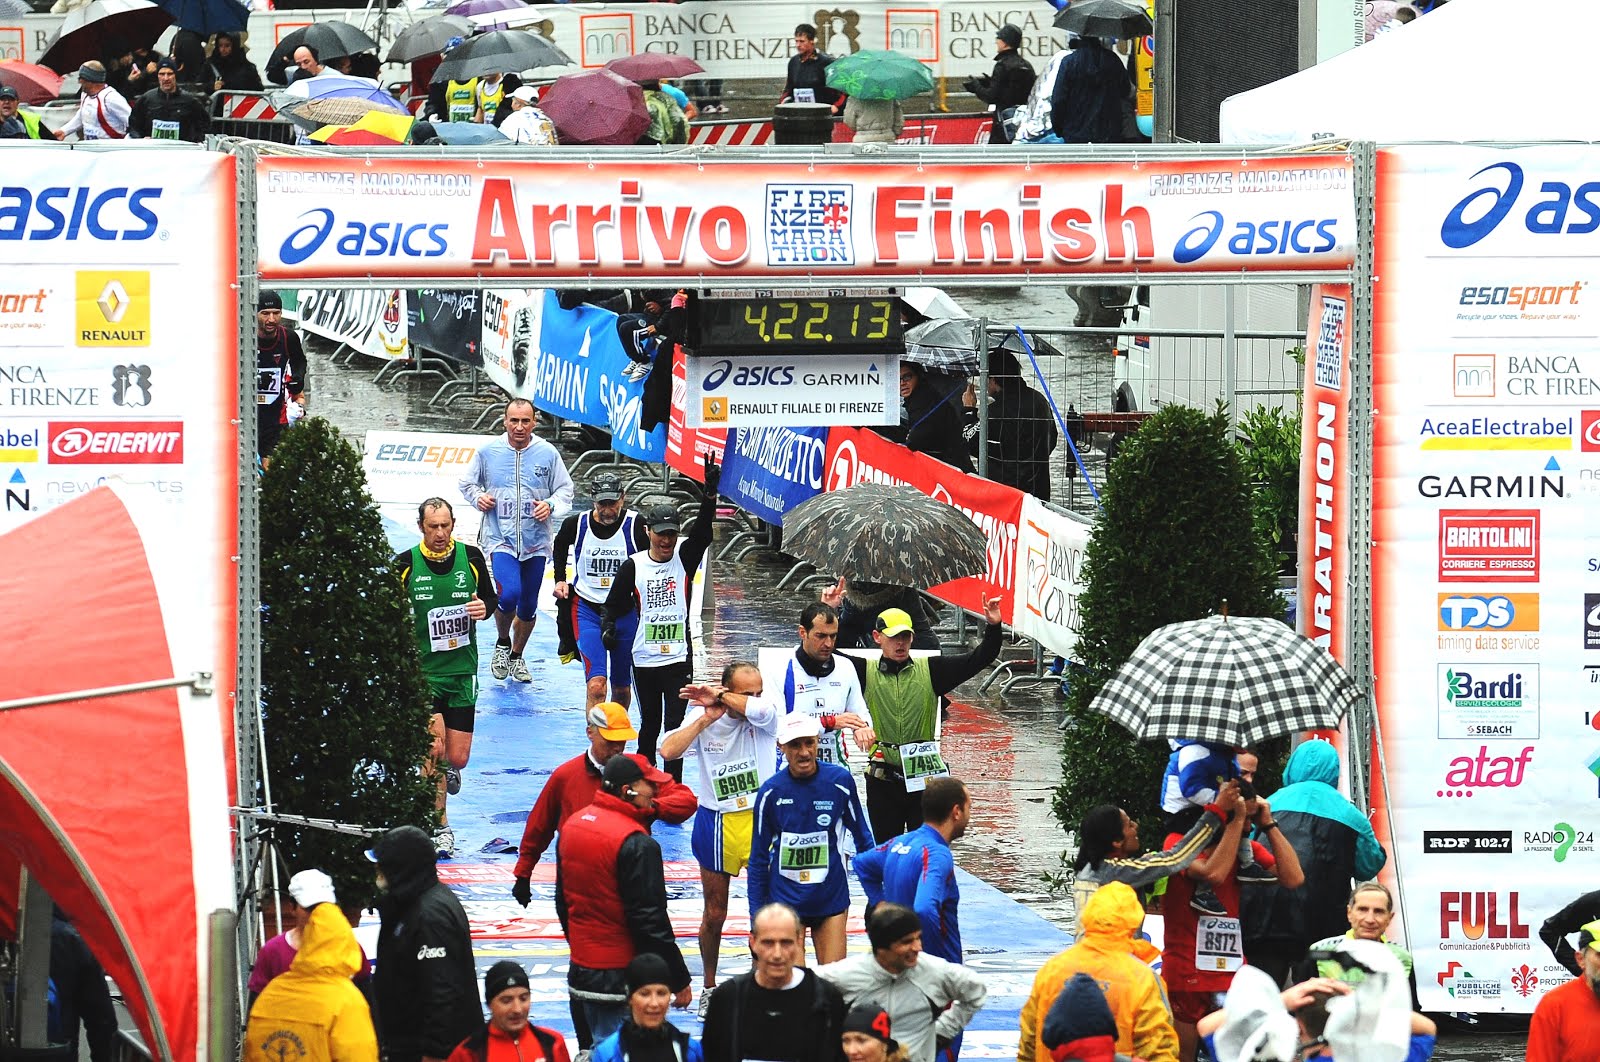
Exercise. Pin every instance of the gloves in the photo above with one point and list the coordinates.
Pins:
(522, 892)
(713, 476)
(608, 636)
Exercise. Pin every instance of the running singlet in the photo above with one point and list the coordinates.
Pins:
(461, 99)
(439, 605)
(734, 756)
(663, 633)
(595, 560)
(819, 695)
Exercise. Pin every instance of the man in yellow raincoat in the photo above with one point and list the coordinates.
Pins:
(314, 1012)
(1133, 990)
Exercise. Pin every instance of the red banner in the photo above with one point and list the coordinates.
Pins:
(685, 445)
(919, 129)
(1325, 474)
(859, 456)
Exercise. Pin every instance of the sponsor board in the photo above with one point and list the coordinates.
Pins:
(1482, 921)
(1467, 842)
(405, 467)
(371, 322)
(1488, 701)
(769, 471)
(820, 390)
(1479, 544)
(1469, 775)
(1050, 552)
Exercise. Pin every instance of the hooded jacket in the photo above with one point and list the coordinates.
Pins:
(427, 987)
(1335, 844)
(312, 1011)
(1133, 991)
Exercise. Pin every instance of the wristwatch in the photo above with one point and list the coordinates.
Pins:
(1272, 825)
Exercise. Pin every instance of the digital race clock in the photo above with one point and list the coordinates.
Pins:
(797, 324)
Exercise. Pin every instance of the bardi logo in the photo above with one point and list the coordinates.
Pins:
(1560, 208)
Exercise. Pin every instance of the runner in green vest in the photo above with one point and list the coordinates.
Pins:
(450, 590)
(461, 100)
(902, 694)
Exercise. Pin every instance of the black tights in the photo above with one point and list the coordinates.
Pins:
(657, 690)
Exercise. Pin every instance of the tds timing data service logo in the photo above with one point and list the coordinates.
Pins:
(1485, 621)
(113, 308)
(1497, 544)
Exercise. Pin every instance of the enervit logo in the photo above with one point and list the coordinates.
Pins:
(1561, 208)
(117, 442)
(378, 239)
(113, 308)
(1589, 437)
(1473, 376)
(1500, 544)
(1467, 842)
(61, 212)
(1482, 916)
(1467, 774)
(1488, 612)
(422, 454)
(19, 447)
(1497, 433)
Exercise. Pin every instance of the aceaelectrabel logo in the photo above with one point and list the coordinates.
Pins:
(1489, 544)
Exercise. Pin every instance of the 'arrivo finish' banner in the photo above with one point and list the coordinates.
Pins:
(793, 223)
(1486, 601)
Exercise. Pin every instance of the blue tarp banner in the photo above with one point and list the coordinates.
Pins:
(768, 471)
(579, 377)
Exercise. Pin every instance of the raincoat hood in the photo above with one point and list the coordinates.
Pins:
(328, 945)
(409, 862)
(1113, 913)
(1313, 761)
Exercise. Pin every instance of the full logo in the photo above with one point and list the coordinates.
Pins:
(1490, 917)
(113, 308)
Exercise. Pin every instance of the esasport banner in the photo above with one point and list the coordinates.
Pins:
(406, 467)
(372, 322)
(1324, 591)
(763, 391)
(859, 456)
(1486, 652)
(791, 224)
(1050, 553)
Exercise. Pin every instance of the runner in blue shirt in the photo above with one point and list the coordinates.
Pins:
(803, 814)
(918, 870)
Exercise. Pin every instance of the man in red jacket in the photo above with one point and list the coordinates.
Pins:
(611, 897)
(1566, 1024)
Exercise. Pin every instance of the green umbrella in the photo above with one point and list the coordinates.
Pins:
(879, 76)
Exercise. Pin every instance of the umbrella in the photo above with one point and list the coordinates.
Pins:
(947, 343)
(653, 66)
(596, 107)
(886, 533)
(482, 7)
(469, 133)
(331, 40)
(34, 84)
(1234, 680)
(499, 52)
(14, 9)
(374, 127)
(1123, 19)
(872, 75)
(85, 31)
(206, 17)
(428, 37)
(313, 114)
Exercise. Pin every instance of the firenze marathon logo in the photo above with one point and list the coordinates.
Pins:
(1330, 344)
(809, 224)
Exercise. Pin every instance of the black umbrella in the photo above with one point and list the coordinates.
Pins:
(428, 37)
(500, 52)
(886, 533)
(1123, 19)
(84, 32)
(330, 40)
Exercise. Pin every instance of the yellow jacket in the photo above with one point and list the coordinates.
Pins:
(1137, 998)
(312, 1012)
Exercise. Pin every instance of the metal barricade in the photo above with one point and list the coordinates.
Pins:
(249, 115)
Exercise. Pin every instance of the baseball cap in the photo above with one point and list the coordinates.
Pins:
(663, 517)
(894, 621)
(1589, 936)
(621, 770)
(871, 1020)
(611, 719)
(8, 93)
(607, 486)
(798, 725)
(527, 94)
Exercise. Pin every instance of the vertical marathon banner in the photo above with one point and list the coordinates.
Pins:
(1486, 568)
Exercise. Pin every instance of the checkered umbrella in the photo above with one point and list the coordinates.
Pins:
(1235, 680)
(886, 533)
(949, 343)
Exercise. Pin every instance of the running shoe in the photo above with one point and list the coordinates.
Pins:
(1205, 902)
(519, 670)
(1256, 874)
(500, 663)
(444, 842)
(705, 1003)
(636, 370)
(452, 780)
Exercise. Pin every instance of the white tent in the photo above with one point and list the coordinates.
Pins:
(1472, 70)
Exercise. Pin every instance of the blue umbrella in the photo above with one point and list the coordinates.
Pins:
(206, 17)
(469, 133)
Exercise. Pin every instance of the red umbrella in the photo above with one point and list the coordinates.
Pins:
(653, 66)
(34, 84)
(596, 107)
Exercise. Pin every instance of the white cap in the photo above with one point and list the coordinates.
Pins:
(797, 725)
(527, 94)
(311, 887)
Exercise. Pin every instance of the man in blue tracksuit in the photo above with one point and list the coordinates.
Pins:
(520, 484)
(802, 816)
(918, 870)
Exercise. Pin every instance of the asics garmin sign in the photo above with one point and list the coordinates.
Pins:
(359, 239)
(1556, 207)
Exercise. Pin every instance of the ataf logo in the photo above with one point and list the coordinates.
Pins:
(1485, 916)
(1561, 208)
(1499, 544)
(113, 308)
(1488, 612)
(1467, 774)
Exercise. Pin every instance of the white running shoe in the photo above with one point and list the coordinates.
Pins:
(444, 842)
(705, 1003)
(452, 780)
(500, 663)
(519, 670)
(637, 370)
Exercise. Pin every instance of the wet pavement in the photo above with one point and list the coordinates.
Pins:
(1006, 747)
